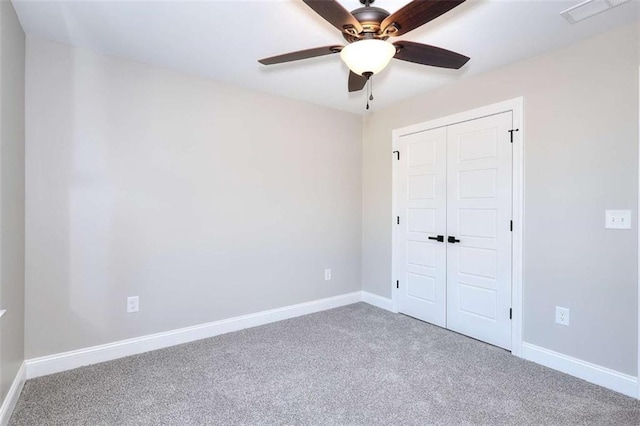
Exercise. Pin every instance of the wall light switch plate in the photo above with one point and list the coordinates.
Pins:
(327, 274)
(617, 219)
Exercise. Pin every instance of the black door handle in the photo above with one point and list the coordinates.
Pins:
(453, 240)
(439, 238)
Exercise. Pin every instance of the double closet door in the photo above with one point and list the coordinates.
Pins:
(453, 192)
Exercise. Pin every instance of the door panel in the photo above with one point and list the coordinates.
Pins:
(421, 204)
(479, 161)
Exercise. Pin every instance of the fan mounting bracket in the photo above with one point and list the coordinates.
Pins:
(390, 30)
(349, 30)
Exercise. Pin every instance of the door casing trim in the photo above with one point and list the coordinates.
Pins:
(516, 106)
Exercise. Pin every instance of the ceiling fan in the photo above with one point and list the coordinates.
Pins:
(367, 30)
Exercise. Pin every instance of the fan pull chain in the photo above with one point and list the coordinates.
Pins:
(368, 93)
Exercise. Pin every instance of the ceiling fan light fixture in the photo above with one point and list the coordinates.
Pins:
(368, 56)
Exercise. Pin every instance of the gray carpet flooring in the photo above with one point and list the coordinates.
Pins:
(355, 365)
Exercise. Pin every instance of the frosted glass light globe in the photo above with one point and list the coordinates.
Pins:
(368, 56)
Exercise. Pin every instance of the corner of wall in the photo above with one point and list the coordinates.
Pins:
(12, 167)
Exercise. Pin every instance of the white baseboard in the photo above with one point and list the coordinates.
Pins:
(42, 366)
(56, 363)
(11, 399)
(584, 370)
(378, 301)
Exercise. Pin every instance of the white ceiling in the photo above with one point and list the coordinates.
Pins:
(224, 39)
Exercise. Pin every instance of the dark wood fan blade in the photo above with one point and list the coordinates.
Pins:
(356, 82)
(429, 55)
(417, 13)
(301, 54)
(336, 15)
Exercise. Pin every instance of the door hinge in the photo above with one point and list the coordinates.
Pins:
(398, 153)
(511, 226)
(397, 283)
(398, 220)
(510, 313)
(511, 133)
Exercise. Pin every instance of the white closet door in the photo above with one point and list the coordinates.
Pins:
(421, 203)
(479, 162)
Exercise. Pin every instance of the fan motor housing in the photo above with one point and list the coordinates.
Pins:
(370, 18)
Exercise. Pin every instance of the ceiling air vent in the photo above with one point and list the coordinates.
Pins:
(589, 8)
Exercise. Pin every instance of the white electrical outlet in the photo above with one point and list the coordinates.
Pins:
(133, 304)
(327, 274)
(617, 219)
(562, 316)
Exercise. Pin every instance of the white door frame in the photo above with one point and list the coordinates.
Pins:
(516, 106)
(638, 231)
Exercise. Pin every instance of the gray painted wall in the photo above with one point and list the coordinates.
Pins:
(205, 200)
(581, 157)
(12, 58)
